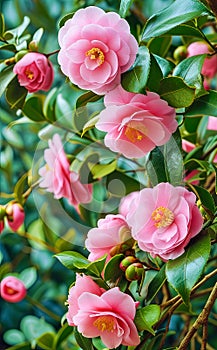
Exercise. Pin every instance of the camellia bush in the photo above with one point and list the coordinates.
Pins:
(108, 187)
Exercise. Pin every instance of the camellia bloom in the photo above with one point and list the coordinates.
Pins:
(34, 72)
(164, 219)
(15, 215)
(209, 69)
(111, 231)
(135, 123)
(12, 289)
(96, 47)
(108, 314)
(126, 202)
(58, 179)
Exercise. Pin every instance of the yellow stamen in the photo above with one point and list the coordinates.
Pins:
(105, 323)
(163, 217)
(29, 74)
(132, 131)
(96, 54)
(10, 291)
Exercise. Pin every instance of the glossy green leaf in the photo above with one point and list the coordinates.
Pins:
(159, 46)
(101, 170)
(183, 272)
(73, 260)
(176, 92)
(120, 184)
(33, 108)
(86, 98)
(28, 276)
(19, 189)
(155, 75)
(8, 47)
(186, 30)
(38, 35)
(156, 284)
(64, 19)
(205, 198)
(15, 94)
(22, 346)
(147, 317)
(177, 13)
(165, 65)
(90, 124)
(2, 24)
(95, 268)
(84, 343)
(165, 163)
(189, 69)
(49, 105)
(136, 78)
(45, 341)
(13, 337)
(205, 105)
(112, 270)
(6, 76)
(18, 31)
(124, 7)
(63, 333)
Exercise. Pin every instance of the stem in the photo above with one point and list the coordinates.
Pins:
(38, 240)
(200, 321)
(52, 53)
(43, 308)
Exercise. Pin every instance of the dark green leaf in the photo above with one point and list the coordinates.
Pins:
(95, 268)
(19, 189)
(15, 94)
(124, 7)
(120, 184)
(147, 317)
(64, 19)
(176, 92)
(177, 13)
(156, 284)
(6, 76)
(189, 69)
(63, 333)
(186, 30)
(84, 343)
(183, 272)
(112, 270)
(155, 75)
(205, 198)
(33, 108)
(85, 98)
(2, 24)
(165, 65)
(165, 163)
(205, 105)
(135, 79)
(23, 346)
(159, 45)
(45, 341)
(8, 47)
(49, 105)
(73, 260)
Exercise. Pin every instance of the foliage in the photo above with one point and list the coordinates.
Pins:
(48, 249)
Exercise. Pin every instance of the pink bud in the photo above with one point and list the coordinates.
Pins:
(12, 289)
(15, 215)
(1, 225)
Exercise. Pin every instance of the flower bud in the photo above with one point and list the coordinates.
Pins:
(10, 61)
(12, 289)
(127, 262)
(2, 225)
(33, 46)
(134, 272)
(15, 215)
(2, 212)
(180, 53)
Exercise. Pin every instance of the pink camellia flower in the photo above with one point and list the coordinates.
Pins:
(209, 69)
(164, 219)
(2, 225)
(212, 123)
(111, 231)
(96, 47)
(126, 202)
(34, 72)
(107, 314)
(58, 179)
(83, 284)
(135, 123)
(15, 215)
(12, 289)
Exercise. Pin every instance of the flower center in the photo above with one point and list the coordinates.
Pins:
(105, 323)
(132, 132)
(162, 216)
(11, 291)
(29, 74)
(96, 54)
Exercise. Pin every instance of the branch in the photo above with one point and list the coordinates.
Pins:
(200, 321)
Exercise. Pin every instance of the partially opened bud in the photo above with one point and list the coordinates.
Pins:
(12, 289)
(134, 272)
(15, 215)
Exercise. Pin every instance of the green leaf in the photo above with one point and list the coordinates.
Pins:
(165, 163)
(23, 346)
(13, 337)
(90, 124)
(183, 272)
(65, 18)
(62, 334)
(18, 31)
(177, 13)
(186, 30)
(6, 76)
(159, 45)
(95, 268)
(49, 105)
(33, 327)
(156, 284)
(33, 108)
(15, 94)
(120, 184)
(2, 24)
(101, 170)
(205, 105)
(147, 317)
(189, 69)
(37, 35)
(155, 75)
(176, 92)
(28, 276)
(19, 189)
(136, 78)
(45, 341)
(124, 7)
(112, 270)
(205, 198)
(84, 343)
(73, 261)
(165, 65)
(86, 98)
